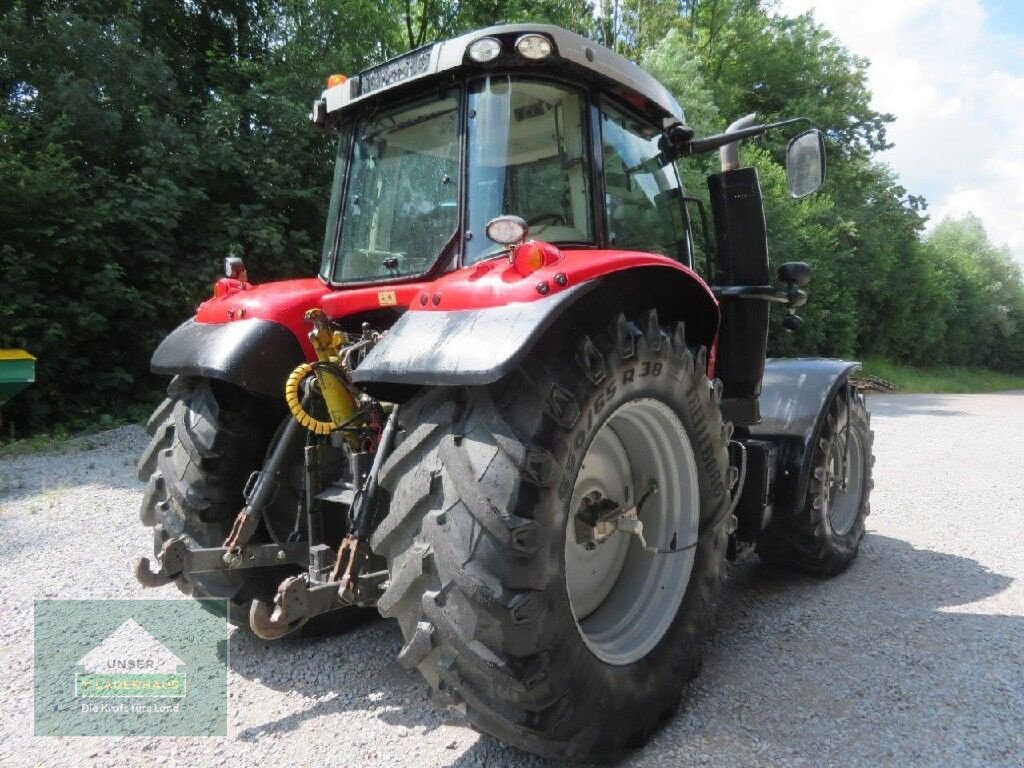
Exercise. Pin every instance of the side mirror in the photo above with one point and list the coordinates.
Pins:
(805, 163)
(795, 273)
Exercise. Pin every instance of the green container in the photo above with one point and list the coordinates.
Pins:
(17, 371)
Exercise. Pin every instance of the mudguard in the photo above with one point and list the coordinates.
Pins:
(461, 347)
(474, 325)
(795, 396)
(255, 354)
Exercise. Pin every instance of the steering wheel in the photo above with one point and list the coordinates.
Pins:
(546, 220)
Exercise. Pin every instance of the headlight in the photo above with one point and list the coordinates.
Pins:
(484, 50)
(533, 47)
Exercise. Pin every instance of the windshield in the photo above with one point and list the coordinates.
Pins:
(400, 208)
(527, 157)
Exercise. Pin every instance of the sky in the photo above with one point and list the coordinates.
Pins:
(952, 71)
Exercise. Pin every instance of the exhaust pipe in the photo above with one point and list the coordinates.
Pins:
(730, 153)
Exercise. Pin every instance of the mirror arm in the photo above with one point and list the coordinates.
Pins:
(709, 143)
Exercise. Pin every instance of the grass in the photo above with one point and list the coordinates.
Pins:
(50, 442)
(942, 380)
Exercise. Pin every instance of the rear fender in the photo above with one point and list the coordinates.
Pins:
(795, 397)
(255, 336)
(478, 345)
(255, 354)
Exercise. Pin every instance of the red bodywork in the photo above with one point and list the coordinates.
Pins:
(491, 283)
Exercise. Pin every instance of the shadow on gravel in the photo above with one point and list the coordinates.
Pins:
(809, 662)
(353, 671)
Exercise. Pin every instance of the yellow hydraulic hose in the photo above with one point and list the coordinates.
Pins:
(294, 401)
(341, 404)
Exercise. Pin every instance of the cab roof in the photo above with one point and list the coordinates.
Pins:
(573, 55)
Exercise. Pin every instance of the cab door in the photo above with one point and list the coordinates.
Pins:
(643, 200)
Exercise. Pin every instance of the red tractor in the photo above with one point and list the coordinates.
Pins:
(509, 411)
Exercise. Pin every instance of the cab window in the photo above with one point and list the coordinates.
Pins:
(527, 156)
(642, 196)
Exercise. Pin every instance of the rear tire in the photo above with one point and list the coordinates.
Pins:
(824, 535)
(207, 438)
(481, 486)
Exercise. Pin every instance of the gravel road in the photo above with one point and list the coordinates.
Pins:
(915, 656)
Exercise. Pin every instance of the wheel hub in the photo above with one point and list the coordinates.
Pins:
(844, 472)
(624, 598)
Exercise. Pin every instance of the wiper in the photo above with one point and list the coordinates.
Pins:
(407, 124)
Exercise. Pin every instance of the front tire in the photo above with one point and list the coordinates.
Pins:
(483, 485)
(824, 534)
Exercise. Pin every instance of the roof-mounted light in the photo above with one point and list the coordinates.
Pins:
(334, 80)
(484, 50)
(234, 268)
(533, 47)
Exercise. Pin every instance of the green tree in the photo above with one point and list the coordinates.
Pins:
(142, 141)
(985, 295)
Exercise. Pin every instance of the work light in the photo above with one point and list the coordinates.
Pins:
(533, 47)
(484, 50)
(507, 230)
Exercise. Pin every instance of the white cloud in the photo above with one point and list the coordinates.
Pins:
(956, 86)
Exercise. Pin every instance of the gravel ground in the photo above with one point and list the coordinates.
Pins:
(915, 656)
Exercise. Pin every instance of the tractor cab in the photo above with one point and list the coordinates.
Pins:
(567, 137)
(524, 120)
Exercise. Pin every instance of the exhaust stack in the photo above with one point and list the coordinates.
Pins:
(730, 153)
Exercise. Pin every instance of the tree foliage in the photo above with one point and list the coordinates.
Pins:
(143, 140)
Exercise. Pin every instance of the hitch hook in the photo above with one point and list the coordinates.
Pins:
(288, 612)
(171, 558)
(294, 604)
(148, 577)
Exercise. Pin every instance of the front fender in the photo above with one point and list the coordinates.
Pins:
(255, 354)
(795, 397)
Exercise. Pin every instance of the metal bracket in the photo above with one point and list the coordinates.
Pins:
(845, 467)
(295, 603)
(177, 559)
(599, 517)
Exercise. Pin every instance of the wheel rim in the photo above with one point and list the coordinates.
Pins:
(623, 598)
(843, 480)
